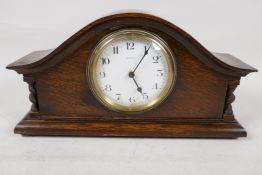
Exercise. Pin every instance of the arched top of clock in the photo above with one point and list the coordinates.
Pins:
(40, 60)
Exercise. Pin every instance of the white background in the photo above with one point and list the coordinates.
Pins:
(224, 26)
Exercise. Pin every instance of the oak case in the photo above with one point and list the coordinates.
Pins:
(131, 34)
(198, 106)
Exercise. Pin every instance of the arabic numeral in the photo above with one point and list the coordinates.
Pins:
(118, 97)
(145, 96)
(130, 45)
(156, 87)
(108, 87)
(156, 59)
(102, 74)
(115, 50)
(160, 73)
(132, 99)
(105, 60)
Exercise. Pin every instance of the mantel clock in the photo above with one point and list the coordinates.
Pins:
(131, 75)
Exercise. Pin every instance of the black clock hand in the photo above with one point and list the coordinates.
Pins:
(139, 89)
(132, 75)
(146, 52)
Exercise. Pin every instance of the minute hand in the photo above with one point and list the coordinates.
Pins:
(146, 52)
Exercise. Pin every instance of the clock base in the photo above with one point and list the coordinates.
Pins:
(65, 126)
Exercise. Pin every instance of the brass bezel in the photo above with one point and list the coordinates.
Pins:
(130, 33)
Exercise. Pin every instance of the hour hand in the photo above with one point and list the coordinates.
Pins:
(132, 75)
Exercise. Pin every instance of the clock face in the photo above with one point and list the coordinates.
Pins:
(131, 71)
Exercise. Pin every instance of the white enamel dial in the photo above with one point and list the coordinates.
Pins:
(131, 71)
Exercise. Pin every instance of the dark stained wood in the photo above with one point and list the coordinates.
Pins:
(197, 86)
(198, 129)
(30, 59)
(41, 60)
(232, 61)
(62, 102)
(230, 98)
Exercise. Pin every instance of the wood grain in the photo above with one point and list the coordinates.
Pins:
(196, 88)
(41, 60)
(199, 105)
(189, 129)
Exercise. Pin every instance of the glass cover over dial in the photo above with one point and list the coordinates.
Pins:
(131, 71)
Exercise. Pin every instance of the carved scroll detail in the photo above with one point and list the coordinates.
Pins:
(230, 98)
(33, 97)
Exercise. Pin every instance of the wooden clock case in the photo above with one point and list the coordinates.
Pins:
(62, 102)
